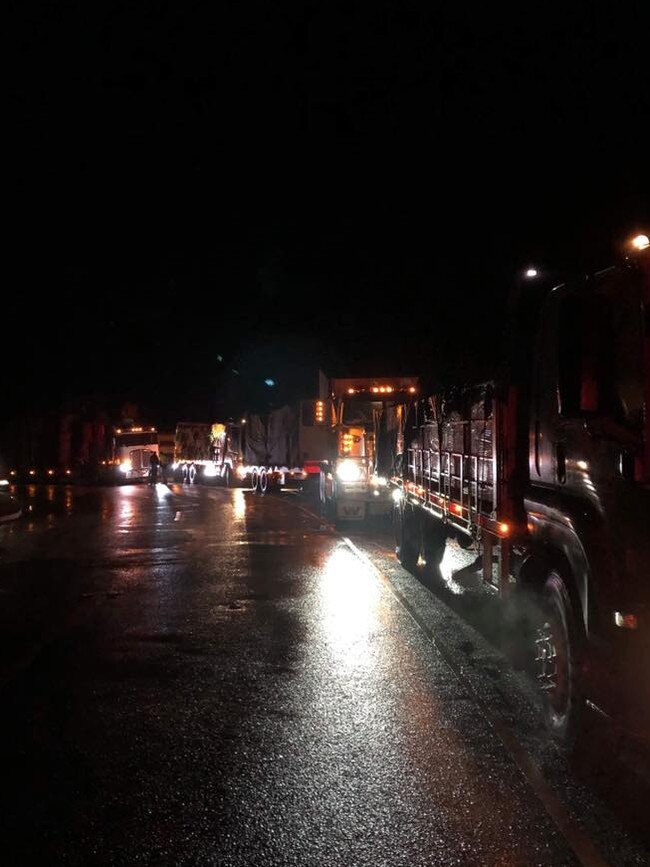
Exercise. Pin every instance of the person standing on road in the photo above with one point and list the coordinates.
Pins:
(164, 461)
(154, 463)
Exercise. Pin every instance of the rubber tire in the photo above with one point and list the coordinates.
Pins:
(264, 481)
(184, 478)
(434, 543)
(226, 479)
(192, 474)
(563, 711)
(327, 506)
(322, 499)
(255, 479)
(407, 536)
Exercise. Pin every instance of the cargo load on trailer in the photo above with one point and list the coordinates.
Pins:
(284, 447)
(281, 447)
(544, 476)
(208, 452)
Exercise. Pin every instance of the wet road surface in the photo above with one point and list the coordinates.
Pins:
(204, 676)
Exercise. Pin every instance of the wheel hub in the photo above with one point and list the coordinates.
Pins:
(551, 663)
(546, 659)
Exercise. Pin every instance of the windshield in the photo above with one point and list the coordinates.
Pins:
(360, 411)
(136, 439)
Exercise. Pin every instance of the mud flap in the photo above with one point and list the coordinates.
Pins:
(350, 510)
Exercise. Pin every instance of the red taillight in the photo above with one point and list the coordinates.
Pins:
(626, 621)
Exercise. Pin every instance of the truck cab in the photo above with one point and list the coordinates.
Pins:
(132, 449)
(351, 488)
(587, 503)
(226, 452)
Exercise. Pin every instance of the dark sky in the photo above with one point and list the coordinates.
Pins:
(283, 185)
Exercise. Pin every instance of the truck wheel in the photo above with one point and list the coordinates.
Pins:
(434, 542)
(326, 505)
(255, 477)
(263, 482)
(407, 536)
(192, 475)
(227, 477)
(556, 660)
(184, 473)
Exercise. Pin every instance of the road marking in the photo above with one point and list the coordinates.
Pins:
(568, 826)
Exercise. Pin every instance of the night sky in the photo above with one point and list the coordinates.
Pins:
(284, 186)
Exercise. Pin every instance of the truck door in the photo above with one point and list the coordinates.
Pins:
(544, 421)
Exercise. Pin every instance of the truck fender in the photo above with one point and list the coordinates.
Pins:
(567, 556)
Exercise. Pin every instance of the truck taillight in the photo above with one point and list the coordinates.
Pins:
(626, 621)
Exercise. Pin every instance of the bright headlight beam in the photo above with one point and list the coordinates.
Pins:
(348, 471)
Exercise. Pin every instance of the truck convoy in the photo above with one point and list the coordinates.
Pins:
(545, 475)
(351, 487)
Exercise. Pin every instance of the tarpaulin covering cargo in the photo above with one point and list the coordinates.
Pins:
(193, 441)
(272, 438)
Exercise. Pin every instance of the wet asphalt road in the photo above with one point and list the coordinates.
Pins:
(202, 676)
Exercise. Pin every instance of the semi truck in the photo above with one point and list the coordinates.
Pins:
(281, 447)
(544, 475)
(131, 451)
(352, 487)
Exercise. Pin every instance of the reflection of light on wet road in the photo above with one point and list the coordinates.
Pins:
(351, 599)
(450, 563)
(162, 491)
(126, 509)
(239, 504)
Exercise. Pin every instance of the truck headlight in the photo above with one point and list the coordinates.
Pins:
(242, 472)
(210, 471)
(348, 471)
(126, 466)
(379, 481)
